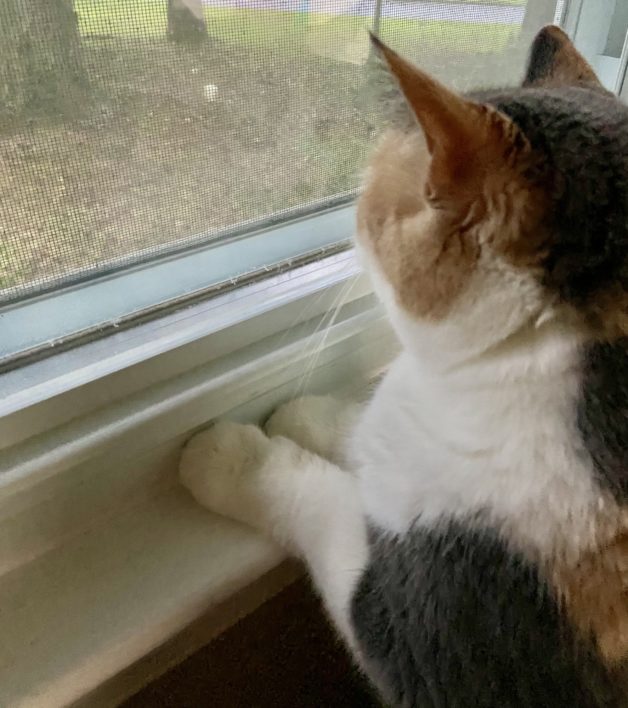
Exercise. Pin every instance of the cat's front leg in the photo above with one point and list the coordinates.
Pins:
(307, 504)
(320, 424)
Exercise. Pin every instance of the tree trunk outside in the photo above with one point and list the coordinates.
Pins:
(538, 14)
(186, 22)
(41, 70)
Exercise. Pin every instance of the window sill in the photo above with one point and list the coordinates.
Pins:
(86, 611)
(102, 556)
(33, 327)
(48, 393)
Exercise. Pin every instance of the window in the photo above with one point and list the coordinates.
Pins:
(187, 167)
(154, 151)
(599, 30)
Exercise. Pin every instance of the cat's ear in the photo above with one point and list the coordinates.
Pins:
(554, 61)
(464, 138)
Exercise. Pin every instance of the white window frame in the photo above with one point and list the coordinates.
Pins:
(40, 325)
(89, 440)
(587, 23)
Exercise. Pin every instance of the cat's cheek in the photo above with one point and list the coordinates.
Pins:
(381, 286)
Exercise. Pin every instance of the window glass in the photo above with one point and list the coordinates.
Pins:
(599, 31)
(130, 127)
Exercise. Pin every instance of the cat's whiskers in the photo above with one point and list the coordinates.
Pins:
(325, 326)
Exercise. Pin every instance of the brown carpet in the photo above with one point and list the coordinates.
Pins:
(284, 655)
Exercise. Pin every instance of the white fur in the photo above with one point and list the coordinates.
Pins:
(304, 502)
(430, 446)
(478, 415)
(320, 424)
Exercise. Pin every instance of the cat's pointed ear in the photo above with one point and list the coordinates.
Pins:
(443, 115)
(460, 134)
(554, 61)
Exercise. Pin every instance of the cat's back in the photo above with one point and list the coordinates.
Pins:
(518, 594)
(450, 616)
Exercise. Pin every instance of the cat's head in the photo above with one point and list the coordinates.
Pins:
(504, 210)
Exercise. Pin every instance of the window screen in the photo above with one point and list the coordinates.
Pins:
(598, 28)
(130, 127)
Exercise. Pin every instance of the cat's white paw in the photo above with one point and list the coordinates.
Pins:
(217, 465)
(316, 423)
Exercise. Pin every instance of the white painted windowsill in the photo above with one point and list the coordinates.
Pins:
(103, 557)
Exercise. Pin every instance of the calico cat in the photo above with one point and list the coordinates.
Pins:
(468, 530)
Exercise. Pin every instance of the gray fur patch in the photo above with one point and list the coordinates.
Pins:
(449, 618)
(603, 415)
(582, 135)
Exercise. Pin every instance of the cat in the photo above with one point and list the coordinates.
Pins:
(468, 529)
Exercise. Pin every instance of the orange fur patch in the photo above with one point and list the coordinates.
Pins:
(429, 254)
(595, 597)
(427, 260)
(431, 202)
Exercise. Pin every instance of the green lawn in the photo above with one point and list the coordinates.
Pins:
(289, 32)
(141, 18)
(283, 30)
